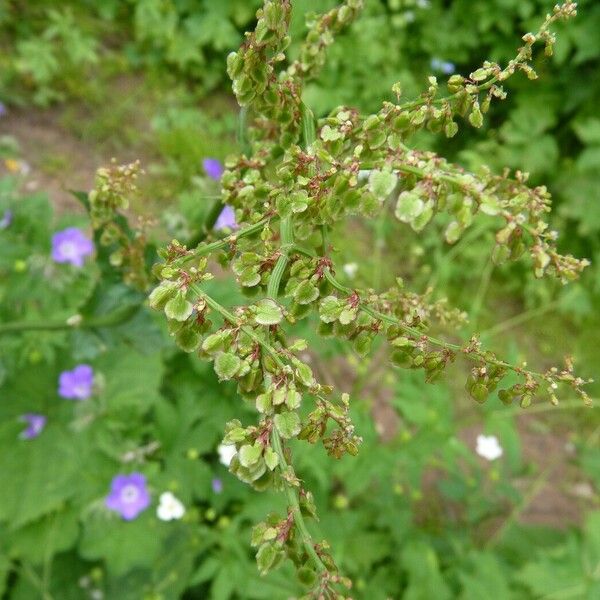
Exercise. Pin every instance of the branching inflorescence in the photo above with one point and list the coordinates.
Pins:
(297, 179)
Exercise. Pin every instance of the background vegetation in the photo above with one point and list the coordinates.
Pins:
(418, 514)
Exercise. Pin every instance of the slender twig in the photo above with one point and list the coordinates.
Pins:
(421, 335)
(205, 249)
(112, 319)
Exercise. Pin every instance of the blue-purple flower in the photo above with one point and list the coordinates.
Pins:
(35, 425)
(76, 384)
(226, 220)
(213, 168)
(3, 110)
(128, 495)
(217, 485)
(71, 246)
(442, 66)
(6, 219)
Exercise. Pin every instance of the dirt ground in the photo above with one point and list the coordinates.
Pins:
(57, 160)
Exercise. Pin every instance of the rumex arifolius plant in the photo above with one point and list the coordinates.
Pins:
(296, 179)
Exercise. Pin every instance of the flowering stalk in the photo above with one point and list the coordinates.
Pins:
(296, 180)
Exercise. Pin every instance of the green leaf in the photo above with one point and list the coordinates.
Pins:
(265, 557)
(489, 205)
(305, 374)
(328, 134)
(453, 232)
(39, 475)
(249, 277)
(122, 544)
(227, 365)
(382, 183)
(178, 308)
(162, 294)
(271, 458)
(348, 315)
(264, 403)
(299, 201)
(288, 424)
(330, 309)
(215, 341)
(188, 339)
(267, 312)
(306, 292)
(409, 206)
(250, 454)
(293, 399)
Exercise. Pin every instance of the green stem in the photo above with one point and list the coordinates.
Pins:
(286, 229)
(419, 334)
(204, 250)
(287, 241)
(294, 504)
(233, 320)
(110, 320)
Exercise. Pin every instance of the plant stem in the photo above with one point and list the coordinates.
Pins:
(233, 320)
(205, 249)
(419, 334)
(112, 319)
(294, 504)
(287, 243)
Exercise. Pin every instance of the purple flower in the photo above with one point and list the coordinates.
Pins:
(213, 168)
(35, 424)
(3, 110)
(443, 66)
(226, 219)
(128, 495)
(76, 384)
(6, 219)
(71, 246)
(217, 485)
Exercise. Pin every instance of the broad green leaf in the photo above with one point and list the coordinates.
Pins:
(288, 424)
(227, 365)
(409, 206)
(306, 292)
(178, 308)
(267, 312)
(382, 183)
(250, 454)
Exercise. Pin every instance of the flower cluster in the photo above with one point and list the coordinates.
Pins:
(297, 179)
(114, 189)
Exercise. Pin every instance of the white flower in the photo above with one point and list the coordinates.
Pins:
(488, 447)
(226, 453)
(350, 269)
(169, 507)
